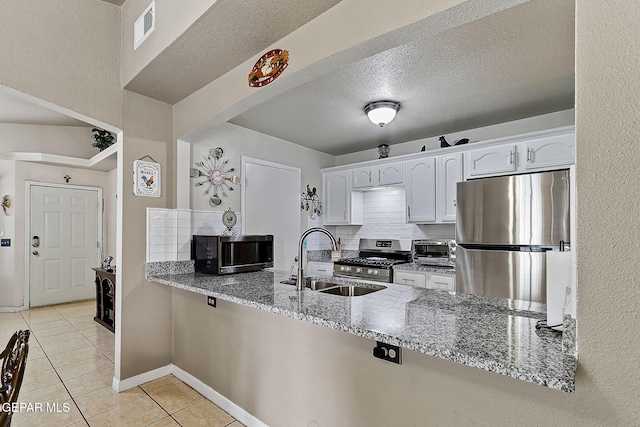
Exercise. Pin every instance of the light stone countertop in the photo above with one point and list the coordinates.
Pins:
(493, 334)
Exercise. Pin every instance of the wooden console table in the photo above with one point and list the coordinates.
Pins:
(105, 298)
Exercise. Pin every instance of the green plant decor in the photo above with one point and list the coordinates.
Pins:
(102, 139)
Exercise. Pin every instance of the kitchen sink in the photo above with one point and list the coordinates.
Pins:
(332, 288)
(318, 285)
(350, 291)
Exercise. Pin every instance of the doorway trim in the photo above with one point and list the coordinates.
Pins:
(246, 159)
(27, 226)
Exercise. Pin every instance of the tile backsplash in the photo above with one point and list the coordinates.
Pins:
(169, 231)
(385, 218)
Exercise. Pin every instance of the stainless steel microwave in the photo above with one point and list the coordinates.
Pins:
(231, 254)
(434, 252)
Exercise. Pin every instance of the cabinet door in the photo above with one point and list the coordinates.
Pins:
(444, 282)
(449, 174)
(420, 189)
(488, 161)
(409, 278)
(337, 197)
(362, 177)
(551, 151)
(388, 174)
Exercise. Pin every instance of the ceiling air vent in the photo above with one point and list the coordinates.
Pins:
(144, 25)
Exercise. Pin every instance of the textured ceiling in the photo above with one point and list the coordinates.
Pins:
(228, 34)
(513, 64)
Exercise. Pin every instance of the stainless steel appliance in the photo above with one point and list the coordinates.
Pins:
(440, 253)
(504, 227)
(375, 260)
(232, 254)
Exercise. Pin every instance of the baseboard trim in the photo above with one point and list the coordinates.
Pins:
(145, 377)
(227, 405)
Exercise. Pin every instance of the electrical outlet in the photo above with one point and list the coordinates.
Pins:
(211, 301)
(5, 242)
(388, 352)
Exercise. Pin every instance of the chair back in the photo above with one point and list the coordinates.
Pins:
(14, 361)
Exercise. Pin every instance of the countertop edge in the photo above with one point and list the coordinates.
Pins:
(489, 365)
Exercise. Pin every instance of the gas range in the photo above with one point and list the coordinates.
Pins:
(376, 259)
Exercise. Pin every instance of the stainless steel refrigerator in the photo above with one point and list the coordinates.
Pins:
(504, 227)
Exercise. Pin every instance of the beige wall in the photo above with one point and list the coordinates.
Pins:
(67, 140)
(143, 324)
(172, 19)
(607, 111)
(65, 52)
(24, 171)
(10, 294)
(238, 141)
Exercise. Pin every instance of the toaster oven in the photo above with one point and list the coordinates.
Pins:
(440, 253)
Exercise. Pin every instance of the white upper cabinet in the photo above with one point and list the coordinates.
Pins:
(549, 151)
(362, 177)
(449, 174)
(538, 151)
(420, 189)
(376, 176)
(388, 174)
(341, 205)
(494, 160)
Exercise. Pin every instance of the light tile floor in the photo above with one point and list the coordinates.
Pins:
(70, 368)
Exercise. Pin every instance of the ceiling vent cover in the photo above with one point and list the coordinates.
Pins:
(144, 25)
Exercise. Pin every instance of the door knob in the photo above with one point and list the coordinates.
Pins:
(35, 253)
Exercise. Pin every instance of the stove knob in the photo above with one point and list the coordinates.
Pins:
(343, 268)
(375, 272)
(369, 271)
(358, 270)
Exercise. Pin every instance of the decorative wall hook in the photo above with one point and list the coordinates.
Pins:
(66, 178)
(310, 201)
(5, 203)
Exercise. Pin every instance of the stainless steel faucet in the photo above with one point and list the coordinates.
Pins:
(334, 243)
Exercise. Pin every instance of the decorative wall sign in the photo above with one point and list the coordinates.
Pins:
(146, 178)
(268, 67)
(229, 219)
(213, 169)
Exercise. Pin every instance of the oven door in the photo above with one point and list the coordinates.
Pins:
(245, 253)
(431, 253)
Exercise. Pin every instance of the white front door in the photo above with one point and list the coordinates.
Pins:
(271, 205)
(64, 244)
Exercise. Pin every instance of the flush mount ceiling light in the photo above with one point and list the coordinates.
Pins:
(381, 112)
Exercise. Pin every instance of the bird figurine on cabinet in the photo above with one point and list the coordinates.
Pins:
(444, 143)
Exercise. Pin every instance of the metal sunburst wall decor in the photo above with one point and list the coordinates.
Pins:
(216, 174)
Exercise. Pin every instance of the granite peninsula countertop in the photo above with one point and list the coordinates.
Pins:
(493, 334)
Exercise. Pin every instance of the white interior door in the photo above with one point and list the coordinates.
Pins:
(64, 244)
(271, 205)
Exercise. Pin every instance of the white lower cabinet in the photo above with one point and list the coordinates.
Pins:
(425, 279)
(444, 282)
(322, 269)
(410, 278)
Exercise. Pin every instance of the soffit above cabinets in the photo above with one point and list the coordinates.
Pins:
(510, 65)
(226, 35)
